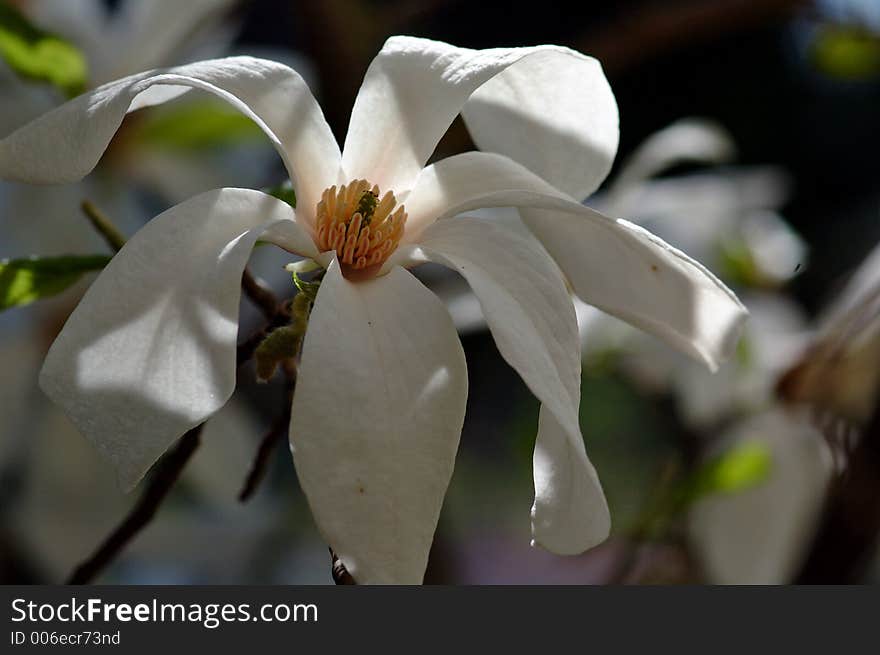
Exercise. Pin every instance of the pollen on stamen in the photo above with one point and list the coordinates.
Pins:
(361, 227)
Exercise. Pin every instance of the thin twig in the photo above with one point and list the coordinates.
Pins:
(260, 294)
(166, 474)
(277, 431)
(103, 225)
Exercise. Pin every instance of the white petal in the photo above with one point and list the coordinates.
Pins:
(376, 420)
(550, 108)
(66, 143)
(532, 319)
(473, 180)
(628, 272)
(612, 264)
(149, 352)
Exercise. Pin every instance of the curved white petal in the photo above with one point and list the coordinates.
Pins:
(66, 143)
(628, 272)
(474, 180)
(532, 319)
(612, 264)
(149, 352)
(550, 108)
(376, 420)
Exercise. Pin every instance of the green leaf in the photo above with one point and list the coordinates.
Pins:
(740, 468)
(283, 192)
(197, 125)
(22, 281)
(38, 55)
(849, 53)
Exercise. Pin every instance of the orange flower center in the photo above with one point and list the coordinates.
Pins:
(362, 228)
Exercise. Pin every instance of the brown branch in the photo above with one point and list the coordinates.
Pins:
(167, 472)
(259, 294)
(277, 431)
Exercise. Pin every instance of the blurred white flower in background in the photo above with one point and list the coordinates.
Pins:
(135, 36)
(729, 216)
(760, 535)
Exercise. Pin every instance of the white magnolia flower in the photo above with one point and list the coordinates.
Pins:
(382, 385)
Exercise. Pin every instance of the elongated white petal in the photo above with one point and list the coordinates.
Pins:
(376, 420)
(149, 352)
(550, 108)
(612, 264)
(532, 319)
(66, 143)
(474, 180)
(626, 271)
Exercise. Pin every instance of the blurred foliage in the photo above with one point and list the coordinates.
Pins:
(737, 265)
(630, 438)
(198, 125)
(23, 281)
(738, 469)
(38, 55)
(851, 53)
(283, 192)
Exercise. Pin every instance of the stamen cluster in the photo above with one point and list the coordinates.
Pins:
(361, 228)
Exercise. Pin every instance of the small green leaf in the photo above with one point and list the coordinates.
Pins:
(23, 281)
(740, 468)
(38, 55)
(197, 126)
(283, 192)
